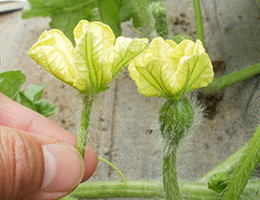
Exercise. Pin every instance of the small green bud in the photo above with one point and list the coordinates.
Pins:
(218, 182)
(159, 10)
(175, 118)
(159, 14)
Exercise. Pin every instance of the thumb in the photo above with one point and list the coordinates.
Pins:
(36, 167)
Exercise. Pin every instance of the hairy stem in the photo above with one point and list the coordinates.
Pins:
(146, 189)
(84, 123)
(198, 18)
(175, 118)
(227, 165)
(244, 168)
(230, 79)
(170, 179)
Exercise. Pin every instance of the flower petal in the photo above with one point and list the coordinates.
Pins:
(200, 71)
(54, 52)
(124, 51)
(149, 79)
(93, 42)
(161, 49)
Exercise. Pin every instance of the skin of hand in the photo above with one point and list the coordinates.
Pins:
(37, 157)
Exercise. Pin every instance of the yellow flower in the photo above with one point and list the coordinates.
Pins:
(169, 70)
(95, 60)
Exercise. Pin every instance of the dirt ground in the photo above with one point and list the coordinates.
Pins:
(124, 126)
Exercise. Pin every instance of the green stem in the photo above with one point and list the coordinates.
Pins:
(84, 123)
(227, 165)
(230, 79)
(170, 179)
(198, 18)
(115, 168)
(244, 169)
(147, 189)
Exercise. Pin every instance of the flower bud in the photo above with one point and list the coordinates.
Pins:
(159, 11)
(218, 182)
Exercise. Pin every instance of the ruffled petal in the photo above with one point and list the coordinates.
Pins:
(54, 52)
(93, 43)
(123, 52)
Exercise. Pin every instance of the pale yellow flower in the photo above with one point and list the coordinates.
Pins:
(97, 57)
(169, 70)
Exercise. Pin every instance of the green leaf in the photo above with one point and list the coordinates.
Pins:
(180, 37)
(127, 11)
(21, 99)
(11, 83)
(65, 14)
(139, 11)
(34, 92)
(45, 108)
(109, 13)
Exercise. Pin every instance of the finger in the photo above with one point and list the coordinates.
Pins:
(17, 116)
(34, 166)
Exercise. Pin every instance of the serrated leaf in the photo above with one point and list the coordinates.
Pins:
(11, 83)
(109, 14)
(45, 108)
(34, 92)
(21, 99)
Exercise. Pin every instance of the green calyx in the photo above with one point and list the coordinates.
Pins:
(175, 119)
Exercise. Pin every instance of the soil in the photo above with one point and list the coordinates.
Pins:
(211, 101)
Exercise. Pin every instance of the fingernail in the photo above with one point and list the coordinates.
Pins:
(63, 168)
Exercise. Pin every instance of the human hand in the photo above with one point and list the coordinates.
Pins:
(37, 158)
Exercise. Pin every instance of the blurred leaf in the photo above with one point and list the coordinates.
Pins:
(45, 108)
(179, 38)
(21, 99)
(109, 14)
(127, 12)
(34, 92)
(65, 14)
(11, 83)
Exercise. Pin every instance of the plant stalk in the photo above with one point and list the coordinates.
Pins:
(230, 79)
(170, 179)
(84, 123)
(244, 168)
(146, 189)
(198, 18)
